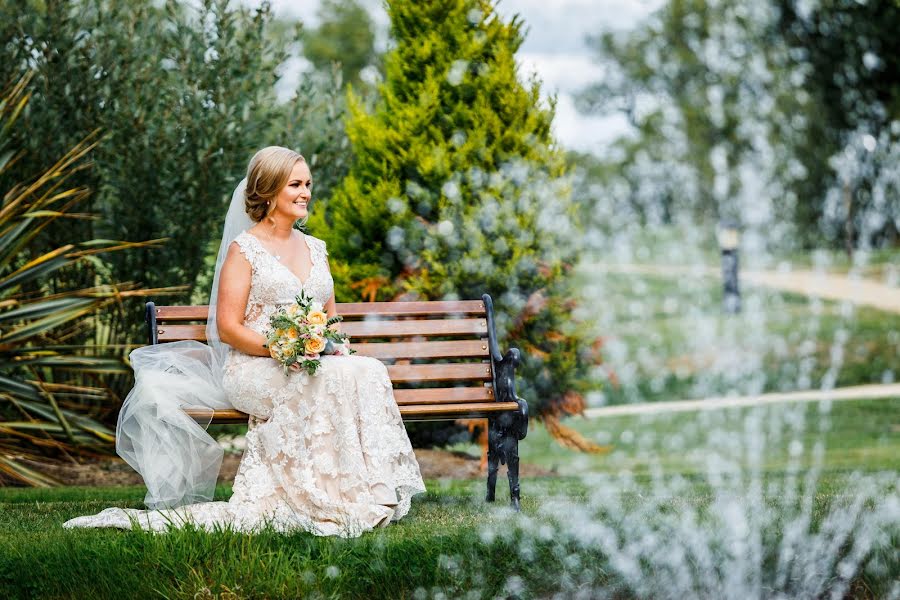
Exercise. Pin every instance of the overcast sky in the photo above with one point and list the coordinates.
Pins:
(554, 48)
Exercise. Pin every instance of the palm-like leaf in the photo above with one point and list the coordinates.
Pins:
(46, 394)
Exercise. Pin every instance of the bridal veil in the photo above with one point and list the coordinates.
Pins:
(175, 455)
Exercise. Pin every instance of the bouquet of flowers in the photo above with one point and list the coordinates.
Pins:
(301, 333)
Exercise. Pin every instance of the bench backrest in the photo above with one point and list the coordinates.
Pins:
(436, 352)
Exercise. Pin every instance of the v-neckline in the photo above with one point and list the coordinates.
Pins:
(312, 262)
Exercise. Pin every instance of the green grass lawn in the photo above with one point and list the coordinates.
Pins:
(453, 545)
(858, 435)
(686, 245)
(681, 504)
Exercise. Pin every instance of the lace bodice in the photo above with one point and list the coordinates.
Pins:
(273, 284)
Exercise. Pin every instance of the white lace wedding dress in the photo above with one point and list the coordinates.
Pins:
(327, 454)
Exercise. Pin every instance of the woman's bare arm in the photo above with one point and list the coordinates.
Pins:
(331, 305)
(234, 290)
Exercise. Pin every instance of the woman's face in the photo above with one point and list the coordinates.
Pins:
(294, 197)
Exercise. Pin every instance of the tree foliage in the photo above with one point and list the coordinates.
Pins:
(457, 189)
(183, 95)
(53, 390)
(739, 111)
(853, 52)
(345, 36)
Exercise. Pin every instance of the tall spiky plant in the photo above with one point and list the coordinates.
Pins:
(47, 332)
(458, 188)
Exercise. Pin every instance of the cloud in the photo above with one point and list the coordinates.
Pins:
(586, 133)
(563, 75)
(560, 26)
(560, 72)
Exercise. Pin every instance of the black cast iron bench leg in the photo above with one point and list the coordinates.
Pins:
(493, 463)
(503, 448)
(512, 468)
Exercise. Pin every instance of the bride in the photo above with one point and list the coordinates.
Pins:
(327, 453)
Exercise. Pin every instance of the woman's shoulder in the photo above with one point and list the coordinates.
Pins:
(247, 244)
(316, 242)
(241, 237)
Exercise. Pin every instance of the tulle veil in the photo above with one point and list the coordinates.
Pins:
(175, 455)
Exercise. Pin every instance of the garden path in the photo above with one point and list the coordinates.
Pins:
(828, 286)
(856, 392)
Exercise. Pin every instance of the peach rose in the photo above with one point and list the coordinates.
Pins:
(315, 345)
(316, 317)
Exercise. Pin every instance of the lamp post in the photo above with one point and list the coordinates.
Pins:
(729, 238)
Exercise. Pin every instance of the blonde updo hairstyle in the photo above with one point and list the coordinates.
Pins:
(267, 174)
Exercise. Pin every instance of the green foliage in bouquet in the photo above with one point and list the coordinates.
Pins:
(457, 189)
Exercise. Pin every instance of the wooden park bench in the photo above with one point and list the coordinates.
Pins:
(442, 356)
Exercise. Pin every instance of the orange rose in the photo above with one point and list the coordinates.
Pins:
(316, 317)
(315, 345)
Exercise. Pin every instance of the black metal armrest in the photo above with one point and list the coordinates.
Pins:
(150, 318)
(504, 378)
(505, 386)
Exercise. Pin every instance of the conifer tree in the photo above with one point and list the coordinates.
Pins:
(457, 189)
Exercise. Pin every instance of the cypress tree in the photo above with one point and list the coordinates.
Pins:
(457, 188)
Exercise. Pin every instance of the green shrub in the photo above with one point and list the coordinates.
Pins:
(457, 188)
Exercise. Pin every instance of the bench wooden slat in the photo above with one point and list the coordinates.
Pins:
(347, 310)
(410, 413)
(418, 327)
(356, 329)
(444, 349)
(218, 416)
(439, 372)
(398, 373)
(427, 308)
(181, 313)
(176, 333)
(443, 395)
(472, 410)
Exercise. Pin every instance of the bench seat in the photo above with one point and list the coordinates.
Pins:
(442, 357)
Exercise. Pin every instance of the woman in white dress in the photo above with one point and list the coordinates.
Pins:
(326, 453)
